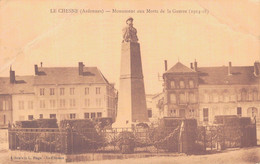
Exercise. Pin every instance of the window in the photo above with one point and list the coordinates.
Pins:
(93, 115)
(250, 96)
(205, 114)
(52, 91)
(173, 84)
(42, 104)
(62, 103)
(98, 102)
(232, 97)
(97, 90)
(99, 114)
(252, 112)
(182, 85)
(52, 116)
(255, 95)
(41, 91)
(21, 105)
(239, 111)
(150, 114)
(243, 95)
(30, 104)
(191, 84)
(173, 98)
(192, 98)
(72, 102)
(4, 120)
(72, 116)
(182, 98)
(72, 90)
(5, 105)
(172, 112)
(86, 115)
(41, 116)
(52, 103)
(182, 113)
(206, 97)
(87, 102)
(214, 96)
(62, 91)
(192, 113)
(226, 96)
(86, 91)
(30, 117)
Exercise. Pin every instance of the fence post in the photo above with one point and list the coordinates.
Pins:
(10, 139)
(204, 137)
(224, 139)
(68, 140)
(255, 132)
(211, 139)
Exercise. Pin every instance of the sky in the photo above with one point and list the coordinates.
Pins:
(30, 34)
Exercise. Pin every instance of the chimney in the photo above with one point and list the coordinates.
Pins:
(12, 76)
(229, 68)
(36, 69)
(195, 65)
(256, 68)
(191, 65)
(81, 66)
(165, 65)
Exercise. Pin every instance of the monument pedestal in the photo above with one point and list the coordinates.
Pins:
(131, 99)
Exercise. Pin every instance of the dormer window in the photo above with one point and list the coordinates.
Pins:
(182, 84)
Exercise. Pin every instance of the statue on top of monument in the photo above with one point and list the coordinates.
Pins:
(129, 32)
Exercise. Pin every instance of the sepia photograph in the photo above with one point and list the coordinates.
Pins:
(134, 81)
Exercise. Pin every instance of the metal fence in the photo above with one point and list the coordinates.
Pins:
(150, 140)
(71, 141)
(219, 137)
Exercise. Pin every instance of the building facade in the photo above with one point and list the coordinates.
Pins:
(204, 92)
(154, 108)
(62, 93)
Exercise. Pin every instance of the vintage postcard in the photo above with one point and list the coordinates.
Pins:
(134, 81)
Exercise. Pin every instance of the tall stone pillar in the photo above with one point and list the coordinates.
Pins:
(131, 98)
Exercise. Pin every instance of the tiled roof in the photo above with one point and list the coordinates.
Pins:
(52, 75)
(180, 68)
(219, 75)
(69, 75)
(24, 84)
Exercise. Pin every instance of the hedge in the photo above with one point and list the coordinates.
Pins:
(39, 123)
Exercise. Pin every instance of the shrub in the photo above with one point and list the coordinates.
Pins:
(162, 139)
(39, 123)
(47, 123)
(143, 125)
(83, 135)
(126, 142)
(26, 124)
(104, 122)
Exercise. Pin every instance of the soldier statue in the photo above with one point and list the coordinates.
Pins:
(129, 32)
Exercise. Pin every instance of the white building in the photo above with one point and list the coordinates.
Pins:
(63, 93)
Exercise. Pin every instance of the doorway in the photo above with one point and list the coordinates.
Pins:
(182, 113)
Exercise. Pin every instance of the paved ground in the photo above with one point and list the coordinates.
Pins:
(237, 156)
